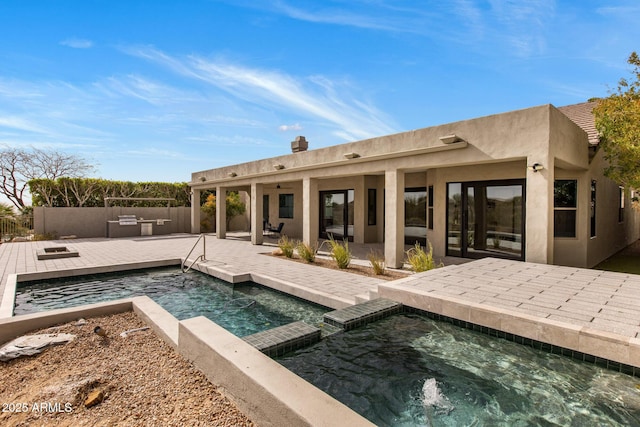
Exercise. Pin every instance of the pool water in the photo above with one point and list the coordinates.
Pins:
(242, 309)
(408, 370)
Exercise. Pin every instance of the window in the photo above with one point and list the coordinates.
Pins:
(286, 206)
(415, 215)
(593, 208)
(621, 207)
(430, 208)
(371, 207)
(565, 195)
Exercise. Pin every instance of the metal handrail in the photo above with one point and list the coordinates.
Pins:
(198, 258)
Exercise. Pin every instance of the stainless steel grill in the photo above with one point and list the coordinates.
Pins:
(127, 220)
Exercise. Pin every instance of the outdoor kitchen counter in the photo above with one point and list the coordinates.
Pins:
(142, 227)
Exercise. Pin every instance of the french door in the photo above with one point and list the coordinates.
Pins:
(486, 219)
(336, 214)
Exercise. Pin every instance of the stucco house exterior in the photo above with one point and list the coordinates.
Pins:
(525, 185)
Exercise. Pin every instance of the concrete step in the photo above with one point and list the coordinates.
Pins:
(363, 313)
(284, 339)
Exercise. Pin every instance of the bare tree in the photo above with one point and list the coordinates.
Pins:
(18, 166)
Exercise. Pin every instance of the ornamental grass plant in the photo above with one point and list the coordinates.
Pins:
(307, 252)
(287, 246)
(421, 260)
(377, 262)
(340, 253)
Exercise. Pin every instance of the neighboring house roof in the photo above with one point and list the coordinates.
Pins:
(582, 115)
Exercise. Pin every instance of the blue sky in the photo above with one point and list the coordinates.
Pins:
(155, 90)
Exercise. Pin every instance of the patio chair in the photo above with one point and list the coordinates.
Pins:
(278, 230)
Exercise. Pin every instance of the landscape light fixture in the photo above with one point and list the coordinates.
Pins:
(450, 139)
(536, 167)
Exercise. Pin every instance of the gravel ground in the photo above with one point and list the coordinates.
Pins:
(144, 382)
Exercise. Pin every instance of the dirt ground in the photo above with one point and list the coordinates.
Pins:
(143, 380)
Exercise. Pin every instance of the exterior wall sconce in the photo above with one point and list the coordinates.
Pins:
(203, 179)
(536, 167)
(450, 139)
(232, 174)
(351, 156)
(278, 167)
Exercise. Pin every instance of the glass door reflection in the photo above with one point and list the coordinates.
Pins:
(486, 219)
(336, 214)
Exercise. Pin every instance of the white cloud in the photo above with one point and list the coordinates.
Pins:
(77, 43)
(285, 128)
(316, 96)
(516, 27)
(20, 123)
(522, 23)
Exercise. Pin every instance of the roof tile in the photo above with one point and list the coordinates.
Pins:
(582, 115)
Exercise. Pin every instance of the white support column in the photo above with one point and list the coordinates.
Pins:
(195, 211)
(221, 212)
(310, 210)
(539, 213)
(257, 225)
(394, 218)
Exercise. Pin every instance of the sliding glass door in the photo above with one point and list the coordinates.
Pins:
(336, 214)
(486, 219)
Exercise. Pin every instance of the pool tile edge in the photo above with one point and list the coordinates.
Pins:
(607, 347)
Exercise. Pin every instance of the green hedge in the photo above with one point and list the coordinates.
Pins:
(91, 192)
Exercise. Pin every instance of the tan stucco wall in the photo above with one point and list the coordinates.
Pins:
(611, 235)
(92, 222)
(496, 147)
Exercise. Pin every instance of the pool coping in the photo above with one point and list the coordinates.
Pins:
(260, 387)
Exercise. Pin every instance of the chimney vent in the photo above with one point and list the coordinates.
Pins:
(299, 144)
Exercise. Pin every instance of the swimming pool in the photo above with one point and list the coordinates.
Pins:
(408, 370)
(404, 370)
(243, 309)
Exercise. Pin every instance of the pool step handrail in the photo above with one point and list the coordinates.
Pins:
(202, 257)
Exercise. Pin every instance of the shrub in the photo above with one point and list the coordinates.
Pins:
(45, 236)
(306, 251)
(377, 262)
(340, 253)
(286, 246)
(421, 260)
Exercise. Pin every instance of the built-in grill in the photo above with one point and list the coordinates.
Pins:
(127, 220)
